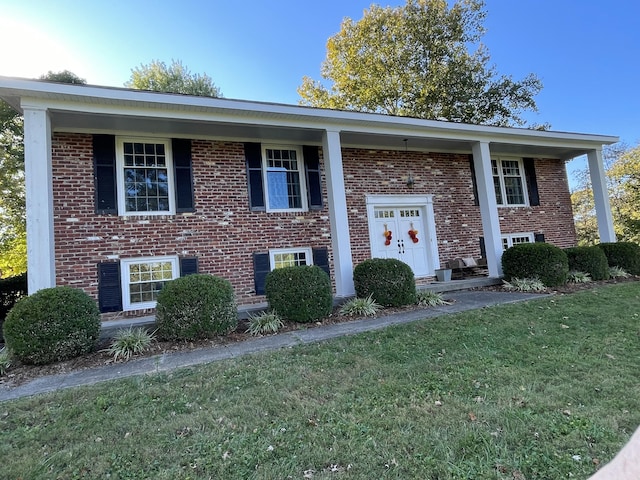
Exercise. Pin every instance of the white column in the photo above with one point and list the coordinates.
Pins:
(340, 239)
(601, 196)
(488, 208)
(39, 193)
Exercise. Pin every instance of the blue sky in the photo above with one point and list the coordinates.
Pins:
(585, 51)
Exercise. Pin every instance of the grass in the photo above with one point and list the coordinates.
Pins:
(538, 390)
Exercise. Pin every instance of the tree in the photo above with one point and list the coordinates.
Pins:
(622, 166)
(13, 236)
(414, 60)
(176, 78)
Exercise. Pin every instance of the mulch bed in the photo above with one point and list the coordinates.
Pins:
(19, 373)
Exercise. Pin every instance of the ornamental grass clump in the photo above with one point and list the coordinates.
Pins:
(361, 307)
(130, 341)
(429, 298)
(299, 293)
(52, 325)
(617, 272)
(264, 323)
(5, 361)
(390, 282)
(540, 260)
(578, 277)
(524, 285)
(194, 307)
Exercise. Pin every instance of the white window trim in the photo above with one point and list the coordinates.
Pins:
(301, 171)
(510, 236)
(120, 175)
(503, 189)
(306, 250)
(124, 279)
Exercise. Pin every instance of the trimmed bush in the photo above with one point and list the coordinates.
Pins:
(300, 293)
(389, 281)
(591, 260)
(51, 325)
(625, 255)
(539, 260)
(195, 306)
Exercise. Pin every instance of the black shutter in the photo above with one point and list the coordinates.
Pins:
(483, 249)
(539, 237)
(109, 290)
(321, 259)
(188, 266)
(181, 149)
(261, 267)
(312, 167)
(476, 202)
(253, 156)
(532, 183)
(104, 174)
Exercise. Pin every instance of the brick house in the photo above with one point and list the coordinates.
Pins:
(128, 189)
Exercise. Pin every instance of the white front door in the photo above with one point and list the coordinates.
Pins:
(401, 233)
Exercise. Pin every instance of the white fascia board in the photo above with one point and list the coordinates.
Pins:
(118, 101)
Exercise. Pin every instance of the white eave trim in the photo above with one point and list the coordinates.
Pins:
(119, 101)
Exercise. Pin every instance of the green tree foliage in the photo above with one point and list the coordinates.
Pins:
(415, 60)
(13, 237)
(175, 78)
(622, 165)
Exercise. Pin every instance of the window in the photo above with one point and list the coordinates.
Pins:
(145, 176)
(290, 257)
(143, 278)
(516, 238)
(509, 182)
(283, 187)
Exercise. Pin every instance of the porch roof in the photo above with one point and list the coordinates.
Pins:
(96, 109)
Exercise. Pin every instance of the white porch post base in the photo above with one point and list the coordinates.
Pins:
(601, 196)
(39, 193)
(340, 239)
(488, 208)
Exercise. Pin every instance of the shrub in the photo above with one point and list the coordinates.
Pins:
(578, 277)
(429, 298)
(625, 255)
(300, 293)
(264, 322)
(129, 341)
(51, 325)
(539, 260)
(389, 281)
(195, 306)
(524, 285)
(591, 260)
(366, 307)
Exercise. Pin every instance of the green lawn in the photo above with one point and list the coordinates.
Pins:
(537, 390)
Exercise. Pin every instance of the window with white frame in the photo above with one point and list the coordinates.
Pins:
(515, 239)
(143, 278)
(509, 182)
(145, 176)
(283, 173)
(290, 257)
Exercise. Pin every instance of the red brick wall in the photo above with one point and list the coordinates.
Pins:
(448, 178)
(223, 233)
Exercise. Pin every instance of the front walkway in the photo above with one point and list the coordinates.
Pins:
(463, 301)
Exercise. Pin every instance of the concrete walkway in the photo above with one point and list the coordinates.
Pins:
(463, 301)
